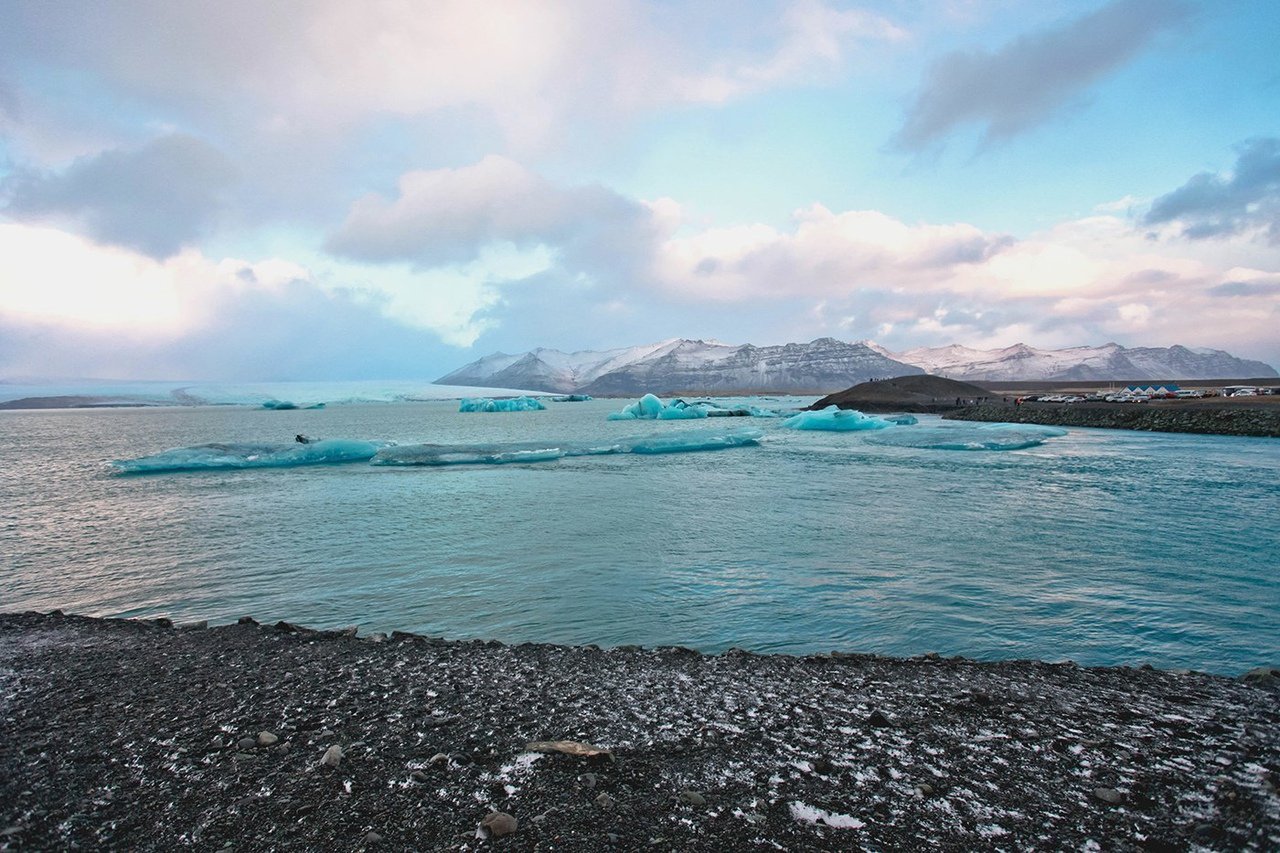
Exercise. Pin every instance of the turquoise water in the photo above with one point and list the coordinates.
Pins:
(1105, 547)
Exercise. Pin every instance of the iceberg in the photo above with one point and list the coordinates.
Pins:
(572, 398)
(647, 407)
(434, 455)
(966, 436)
(835, 419)
(219, 456)
(516, 404)
(279, 405)
(902, 420)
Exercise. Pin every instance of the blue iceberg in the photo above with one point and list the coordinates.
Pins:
(902, 420)
(968, 436)
(647, 407)
(279, 405)
(218, 456)
(435, 455)
(515, 404)
(835, 419)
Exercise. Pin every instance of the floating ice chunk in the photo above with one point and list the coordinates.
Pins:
(902, 420)
(969, 436)
(647, 406)
(572, 398)
(212, 457)
(279, 405)
(468, 454)
(516, 404)
(836, 420)
(808, 814)
(434, 455)
(682, 411)
(693, 440)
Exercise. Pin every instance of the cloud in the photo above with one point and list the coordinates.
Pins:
(533, 69)
(155, 199)
(824, 253)
(1021, 84)
(1210, 205)
(450, 215)
(70, 307)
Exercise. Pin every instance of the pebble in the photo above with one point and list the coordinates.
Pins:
(589, 780)
(332, 756)
(693, 798)
(924, 789)
(499, 824)
(439, 758)
(1108, 795)
(246, 743)
(419, 776)
(604, 801)
(877, 719)
(267, 738)
(372, 837)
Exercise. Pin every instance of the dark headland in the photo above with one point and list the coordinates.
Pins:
(141, 735)
(954, 400)
(918, 393)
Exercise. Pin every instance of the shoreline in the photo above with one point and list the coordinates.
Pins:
(1195, 417)
(121, 733)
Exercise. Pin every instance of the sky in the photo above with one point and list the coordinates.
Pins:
(332, 190)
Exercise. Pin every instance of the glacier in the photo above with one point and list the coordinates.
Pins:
(966, 436)
(689, 441)
(225, 456)
(835, 419)
(485, 404)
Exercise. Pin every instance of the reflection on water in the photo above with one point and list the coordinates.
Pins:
(1100, 546)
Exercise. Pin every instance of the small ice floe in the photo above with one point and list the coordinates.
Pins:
(515, 404)
(968, 436)
(808, 814)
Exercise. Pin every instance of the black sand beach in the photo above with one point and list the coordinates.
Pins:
(139, 735)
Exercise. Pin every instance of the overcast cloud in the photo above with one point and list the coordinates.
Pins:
(1020, 85)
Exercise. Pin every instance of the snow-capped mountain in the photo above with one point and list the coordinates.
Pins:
(1107, 362)
(680, 365)
(685, 365)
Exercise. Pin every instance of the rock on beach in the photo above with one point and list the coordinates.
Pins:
(110, 738)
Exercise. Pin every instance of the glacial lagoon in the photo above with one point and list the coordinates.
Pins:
(1105, 547)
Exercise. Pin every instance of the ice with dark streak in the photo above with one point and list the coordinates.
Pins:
(516, 404)
(688, 441)
(224, 456)
(969, 436)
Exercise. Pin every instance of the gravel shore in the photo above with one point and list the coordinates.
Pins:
(141, 735)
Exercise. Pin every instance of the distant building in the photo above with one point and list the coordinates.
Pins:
(1165, 390)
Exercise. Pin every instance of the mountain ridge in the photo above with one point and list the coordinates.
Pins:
(682, 364)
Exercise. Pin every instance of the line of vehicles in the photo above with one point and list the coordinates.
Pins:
(1134, 396)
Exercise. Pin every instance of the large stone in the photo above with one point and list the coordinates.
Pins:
(332, 756)
(499, 824)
